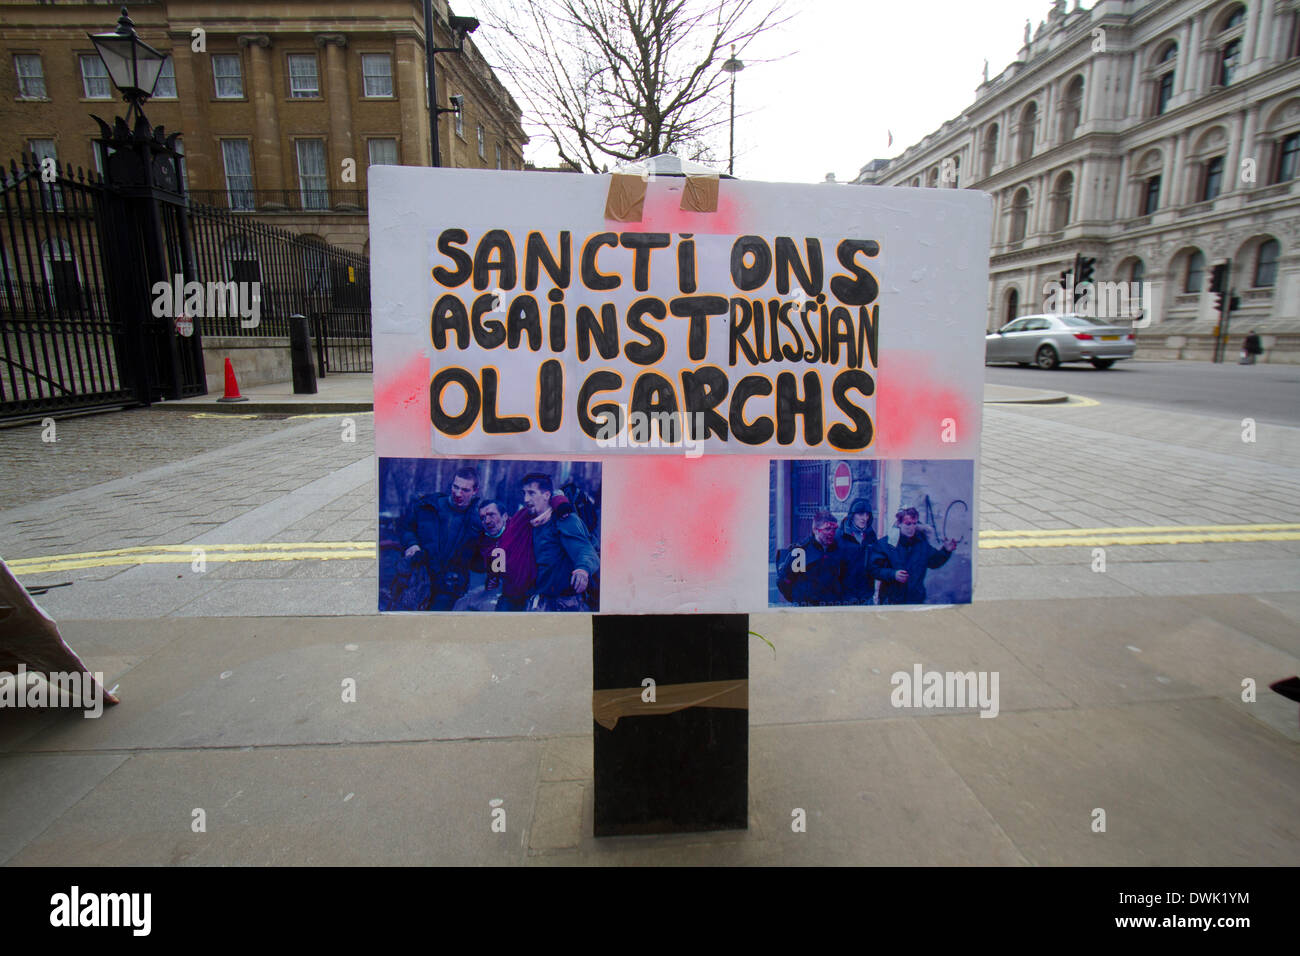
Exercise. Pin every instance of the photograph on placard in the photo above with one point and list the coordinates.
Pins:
(489, 535)
(869, 533)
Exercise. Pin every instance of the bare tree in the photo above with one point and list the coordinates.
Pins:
(619, 80)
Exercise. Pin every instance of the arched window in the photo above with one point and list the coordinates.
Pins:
(1072, 108)
(1138, 272)
(1212, 180)
(990, 149)
(1230, 46)
(916, 181)
(1019, 214)
(1266, 264)
(1013, 306)
(1062, 197)
(1166, 66)
(1195, 272)
(933, 178)
(1028, 123)
(1288, 158)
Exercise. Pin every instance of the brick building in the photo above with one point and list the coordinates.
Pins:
(283, 103)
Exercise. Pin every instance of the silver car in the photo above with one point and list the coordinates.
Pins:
(1049, 340)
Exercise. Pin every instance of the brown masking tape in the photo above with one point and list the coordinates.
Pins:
(626, 199)
(700, 194)
(607, 706)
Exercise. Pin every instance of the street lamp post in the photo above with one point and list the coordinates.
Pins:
(142, 166)
(732, 66)
(461, 27)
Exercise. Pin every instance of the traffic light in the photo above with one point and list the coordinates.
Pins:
(1234, 303)
(1086, 264)
(1217, 276)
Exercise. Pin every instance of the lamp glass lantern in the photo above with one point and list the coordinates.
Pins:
(133, 65)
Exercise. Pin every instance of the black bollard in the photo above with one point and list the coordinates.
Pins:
(678, 762)
(304, 372)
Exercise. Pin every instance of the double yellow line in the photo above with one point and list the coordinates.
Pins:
(366, 550)
(1156, 534)
(189, 553)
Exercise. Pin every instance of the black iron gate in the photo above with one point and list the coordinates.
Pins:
(80, 326)
(85, 324)
(61, 345)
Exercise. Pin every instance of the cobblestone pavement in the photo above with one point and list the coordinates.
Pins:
(93, 449)
(201, 481)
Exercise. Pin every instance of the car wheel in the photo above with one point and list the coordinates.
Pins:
(1047, 358)
(1102, 363)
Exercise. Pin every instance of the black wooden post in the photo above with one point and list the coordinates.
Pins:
(679, 762)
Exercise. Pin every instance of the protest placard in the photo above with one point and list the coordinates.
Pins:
(682, 352)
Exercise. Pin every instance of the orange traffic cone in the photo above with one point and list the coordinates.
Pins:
(232, 386)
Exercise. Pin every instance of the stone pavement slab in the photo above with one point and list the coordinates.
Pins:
(393, 804)
(1132, 705)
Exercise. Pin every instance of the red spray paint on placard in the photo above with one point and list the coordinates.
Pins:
(914, 405)
(402, 406)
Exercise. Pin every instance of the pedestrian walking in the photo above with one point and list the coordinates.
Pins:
(1250, 348)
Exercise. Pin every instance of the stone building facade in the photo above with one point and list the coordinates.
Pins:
(1161, 137)
(283, 103)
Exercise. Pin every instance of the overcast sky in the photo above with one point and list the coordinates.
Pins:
(850, 72)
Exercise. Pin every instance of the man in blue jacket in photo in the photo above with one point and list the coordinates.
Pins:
(566, 556)
(900, 568)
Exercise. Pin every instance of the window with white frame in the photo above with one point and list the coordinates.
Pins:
(376, 74)
(482, 142)
(165, 89)
(227, 75)
(239, 173)
(94, 78)
(313, 179)
(460, 122)
(383, 152)
(31, 77)
(498, 156)
(42, 150)
(304, 81)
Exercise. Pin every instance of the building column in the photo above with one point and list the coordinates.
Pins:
(1048, 119)
(1232, 158)
(1081, 202)
(1192, 55)
(1120, 207)
(412, 95)
(1093, 106)
(1250, 37)
(267, 168)
(340, 104)
(1250, 148)
(1266, 34)
(1172, 185)
(1136, 88)
(203, 159)
(1038, 222)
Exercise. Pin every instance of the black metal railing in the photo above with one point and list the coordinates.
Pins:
(285, 274)
(81, 326)
(282, 200)
(60, 346)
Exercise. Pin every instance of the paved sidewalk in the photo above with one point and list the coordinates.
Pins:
(1120, 689)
